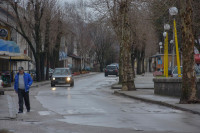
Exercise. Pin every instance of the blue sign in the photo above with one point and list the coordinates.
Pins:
(62, 56)
(160, 61)
(3, 33)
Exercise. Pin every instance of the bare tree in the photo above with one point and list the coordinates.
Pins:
(78, 19)
(119, 13)
(189, 89)
(51, 11)
(103, 43)
(28, 20)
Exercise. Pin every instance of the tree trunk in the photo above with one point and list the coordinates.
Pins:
(56, 50)
(150, 61)
(143, 56)
(189, 90)
(120, 64)
(143, 67)
(139, 66)
(47, 66)
(42, 65)
(101, 66)
(127, 70)
(133, 60)
(46, 47)
(37, 61)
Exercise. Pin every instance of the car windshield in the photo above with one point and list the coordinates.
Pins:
(61, 72)
(111, 67)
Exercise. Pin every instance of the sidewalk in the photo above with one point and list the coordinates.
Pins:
(141, 82)
(145, 92)
(8, 109)
(147, 95)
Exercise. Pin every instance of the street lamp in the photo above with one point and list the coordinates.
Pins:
(165, 34)
(172, 44)
(173, 11)
(160, 44)
(167, 27)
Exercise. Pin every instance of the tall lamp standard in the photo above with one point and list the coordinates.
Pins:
(173, 11)
(160, 44)
(165, 34)
(172, 43)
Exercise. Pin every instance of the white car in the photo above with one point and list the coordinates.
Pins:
(1, 83)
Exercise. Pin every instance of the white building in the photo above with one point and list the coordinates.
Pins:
(8, 63)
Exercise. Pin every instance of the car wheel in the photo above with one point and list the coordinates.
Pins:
(72, 84)
(52, 85)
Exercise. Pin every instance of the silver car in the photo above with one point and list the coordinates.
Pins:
(62, 76)
(175, 71)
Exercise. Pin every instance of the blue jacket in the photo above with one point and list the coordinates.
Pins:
(27, 81)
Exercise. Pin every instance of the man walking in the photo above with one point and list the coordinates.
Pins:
(23, 81)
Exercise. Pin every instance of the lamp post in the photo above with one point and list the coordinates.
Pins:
(173, 54)
(165, 34)
(160, 44)
(173, 11)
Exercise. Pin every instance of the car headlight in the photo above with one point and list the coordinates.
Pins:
(68, 78)
(54, 78)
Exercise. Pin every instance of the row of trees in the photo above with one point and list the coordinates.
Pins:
(188, 31)
(135, 33)
(134, 20)
(43, 24)
(131, 28)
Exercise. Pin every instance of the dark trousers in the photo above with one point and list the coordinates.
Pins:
(23, 97)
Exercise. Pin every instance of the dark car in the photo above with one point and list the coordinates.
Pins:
(111, 70)
(62, 76)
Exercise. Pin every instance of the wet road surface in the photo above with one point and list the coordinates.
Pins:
(91, 103)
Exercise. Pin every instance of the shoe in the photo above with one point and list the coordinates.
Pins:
(28, 110)
(20, 112)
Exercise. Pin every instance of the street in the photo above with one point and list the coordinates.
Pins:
(91, 107)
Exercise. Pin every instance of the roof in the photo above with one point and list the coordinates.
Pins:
(22, 57)
(74, 56)
(9, 48)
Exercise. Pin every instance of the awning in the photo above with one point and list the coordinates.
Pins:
(9, 48)
(75, 56)
(22, 57)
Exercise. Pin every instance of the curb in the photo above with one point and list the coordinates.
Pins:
(116, 86)
(157, 102)
(48, 82)
(11, 107)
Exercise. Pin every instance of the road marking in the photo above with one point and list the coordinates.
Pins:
(44, 112)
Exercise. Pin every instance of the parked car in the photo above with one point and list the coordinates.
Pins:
(50, 72)
(111, 70)
(1, 83)
(62, 76)
(115, 64)
(1, 87)
(33, 74)
(175, 71)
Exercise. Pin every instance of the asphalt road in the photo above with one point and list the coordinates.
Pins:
(91, 107)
